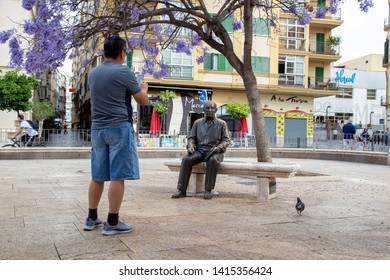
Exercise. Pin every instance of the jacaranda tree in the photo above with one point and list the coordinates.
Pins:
(57, 26)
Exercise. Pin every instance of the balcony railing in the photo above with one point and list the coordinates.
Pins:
(291, 44)
(324, 83)
(324, 48)
(291, 80)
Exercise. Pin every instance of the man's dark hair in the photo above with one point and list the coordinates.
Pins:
(113, 46)
(21, 117)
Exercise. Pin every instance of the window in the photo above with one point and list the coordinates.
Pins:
(292, 35)
(345, 93)
(180, 64)
(260, 64)
(261, 26)
(181, 32)
(291, 70)
(216, 61)
(371, 94)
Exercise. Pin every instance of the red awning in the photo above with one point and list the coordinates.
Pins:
(155, 124)
(242, 128)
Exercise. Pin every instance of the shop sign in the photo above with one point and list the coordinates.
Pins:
(343, 79)
(292, 99)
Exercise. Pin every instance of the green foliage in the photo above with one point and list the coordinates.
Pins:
(165, 97)
(16, 91)
(238, 111)
(42, 110)
(334, 40)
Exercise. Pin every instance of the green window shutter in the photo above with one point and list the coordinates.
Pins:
(208, 61)
(229, 68)
(223, 64)
(320, 43)
(129, 60)
(260, 64)
(256, 65)
(228, 23)
(321, 3)
(265, 65)
(261, 26)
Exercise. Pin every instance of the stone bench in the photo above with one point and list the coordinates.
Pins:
(266, 173)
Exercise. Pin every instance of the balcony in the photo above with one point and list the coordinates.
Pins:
(320, 51)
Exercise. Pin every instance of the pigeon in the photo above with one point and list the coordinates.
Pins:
(300, 206)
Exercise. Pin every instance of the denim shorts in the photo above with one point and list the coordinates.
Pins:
(114, 154)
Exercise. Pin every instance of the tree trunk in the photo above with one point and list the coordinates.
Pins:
(261, 134)
(40, 129)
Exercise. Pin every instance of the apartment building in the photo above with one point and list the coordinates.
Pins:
(361, 95)
(292, 67)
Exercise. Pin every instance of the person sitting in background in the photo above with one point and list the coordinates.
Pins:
(365, 138)
(31, 132)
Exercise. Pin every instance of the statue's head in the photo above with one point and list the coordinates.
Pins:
(210, 109)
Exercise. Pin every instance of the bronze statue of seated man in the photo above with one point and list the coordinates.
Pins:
(207, 142)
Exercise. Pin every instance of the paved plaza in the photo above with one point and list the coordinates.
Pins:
(43, 205)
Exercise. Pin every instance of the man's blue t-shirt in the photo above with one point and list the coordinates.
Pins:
(111, 85)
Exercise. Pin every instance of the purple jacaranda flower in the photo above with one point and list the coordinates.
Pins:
(30, 27)
(29, 4)
(182, 47)
(196, 40)
(364, 5)
(85, 63)
(237, 25)
(162, 72)
(200, 59)
(321, 12)
(5, 35)
(16, 53)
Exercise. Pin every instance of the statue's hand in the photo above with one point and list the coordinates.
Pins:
(190, 149)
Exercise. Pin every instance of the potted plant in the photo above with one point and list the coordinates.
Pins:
(239, 112)
(334, 42)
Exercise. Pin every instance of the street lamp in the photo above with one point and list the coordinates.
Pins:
(326, 124)
(326, 113)
(371, 119)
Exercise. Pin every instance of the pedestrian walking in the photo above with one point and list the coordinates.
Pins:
(349, 131)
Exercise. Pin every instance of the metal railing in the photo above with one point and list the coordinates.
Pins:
(174, 139)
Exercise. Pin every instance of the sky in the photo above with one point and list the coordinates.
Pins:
(362, 33)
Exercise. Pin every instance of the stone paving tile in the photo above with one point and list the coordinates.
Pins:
(28, 251)
(92, 249)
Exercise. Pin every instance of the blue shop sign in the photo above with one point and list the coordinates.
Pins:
(343, 79)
